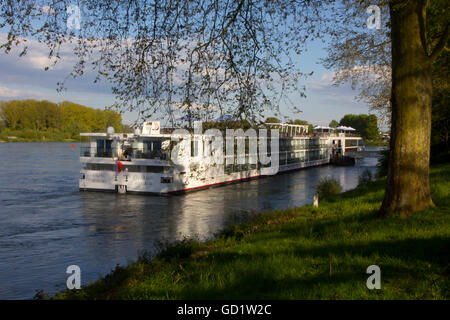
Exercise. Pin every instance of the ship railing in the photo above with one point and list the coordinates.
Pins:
(352, 135)
(149, 154)
(124, 154)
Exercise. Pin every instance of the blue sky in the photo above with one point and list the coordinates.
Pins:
(23, 78)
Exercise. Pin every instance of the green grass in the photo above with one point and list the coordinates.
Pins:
(302, 253)
(376, 143)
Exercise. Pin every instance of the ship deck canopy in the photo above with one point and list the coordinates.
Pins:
(344, 128)
(322, 129)
(288, 129)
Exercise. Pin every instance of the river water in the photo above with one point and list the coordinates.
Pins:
(47, 224)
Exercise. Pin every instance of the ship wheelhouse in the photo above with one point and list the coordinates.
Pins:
(115, 161)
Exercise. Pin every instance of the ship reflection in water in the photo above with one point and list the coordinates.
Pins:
(44, 230)
(122, 225)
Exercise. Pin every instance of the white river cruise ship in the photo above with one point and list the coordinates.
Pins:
(142, 162)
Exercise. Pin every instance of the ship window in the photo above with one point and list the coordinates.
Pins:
(194, 148)
(131, 168)
(166, 179)
(155, 169)
(99, 166)
(152, 145)
(157, 145)
(104, 148)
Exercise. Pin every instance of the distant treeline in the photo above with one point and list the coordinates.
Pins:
(32, 120)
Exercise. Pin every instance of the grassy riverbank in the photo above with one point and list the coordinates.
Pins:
(377, 143)
(302, 253)
(28, 135)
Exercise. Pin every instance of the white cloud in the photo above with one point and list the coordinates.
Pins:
(29, 70)
(7, 93)
(325, 81)
(39, 62)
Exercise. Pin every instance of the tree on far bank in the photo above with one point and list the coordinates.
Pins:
(126, 128)
(66, 118)
(303, 123)
(299, 122)
(365, 125)
(333, 124)
(272, 120)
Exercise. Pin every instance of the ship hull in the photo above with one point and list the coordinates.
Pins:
(150, 184)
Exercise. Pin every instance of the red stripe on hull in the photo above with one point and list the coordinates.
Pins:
(214, 184)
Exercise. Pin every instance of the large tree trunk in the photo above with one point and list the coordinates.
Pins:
(408, 186)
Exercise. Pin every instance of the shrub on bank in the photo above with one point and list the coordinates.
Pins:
(365, 177)
(383, 162)
(328, 187)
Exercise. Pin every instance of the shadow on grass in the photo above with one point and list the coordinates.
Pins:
(401, 260)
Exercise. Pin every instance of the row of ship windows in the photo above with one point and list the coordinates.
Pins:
(113, 167)
(291, 158)
(284, 145)
(284, 158)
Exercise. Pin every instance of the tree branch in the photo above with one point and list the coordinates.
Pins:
(224, 30)
(441, 44)
(422, 15)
